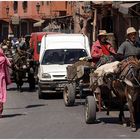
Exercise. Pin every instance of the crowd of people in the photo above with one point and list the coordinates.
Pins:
(11, 45)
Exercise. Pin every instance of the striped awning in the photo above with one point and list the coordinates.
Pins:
(124, 8)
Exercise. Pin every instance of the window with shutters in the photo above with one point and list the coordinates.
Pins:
(15, 6)
(25, 5)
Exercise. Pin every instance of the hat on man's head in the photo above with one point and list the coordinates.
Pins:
(102, 33)
(130, 30)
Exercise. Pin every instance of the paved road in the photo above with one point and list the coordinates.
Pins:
(25, 116)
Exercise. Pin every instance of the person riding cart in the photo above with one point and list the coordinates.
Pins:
(128, 47)
(102, 49)
(102, 52)
(126, 50)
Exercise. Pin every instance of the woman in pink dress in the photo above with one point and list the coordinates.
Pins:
(4, 78)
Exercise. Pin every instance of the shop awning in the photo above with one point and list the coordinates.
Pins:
(124, 8)
(61, 17)
(39, 23)
(52, 27)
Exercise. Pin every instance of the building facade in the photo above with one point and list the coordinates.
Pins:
(19, 18)
(113, 16)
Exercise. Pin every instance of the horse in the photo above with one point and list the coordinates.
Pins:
(23, 68)
(125, 85)
(123, 79)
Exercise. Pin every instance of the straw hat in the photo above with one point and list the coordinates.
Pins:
(102, 32)
(130, 30)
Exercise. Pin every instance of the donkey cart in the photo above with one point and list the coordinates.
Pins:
(78, 81)
(123, 81)
(100, 85)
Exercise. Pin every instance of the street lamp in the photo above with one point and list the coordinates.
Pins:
(38, 7)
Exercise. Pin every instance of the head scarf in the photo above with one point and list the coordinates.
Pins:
(3, 58)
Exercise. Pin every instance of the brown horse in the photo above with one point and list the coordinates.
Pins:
(126, 87)
(124, 82)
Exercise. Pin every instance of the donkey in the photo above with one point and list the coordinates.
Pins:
(20, 67)
(126, 86)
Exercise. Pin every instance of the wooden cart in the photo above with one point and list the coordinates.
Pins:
(78, 81)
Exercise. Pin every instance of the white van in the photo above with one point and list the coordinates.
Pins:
(56, 53)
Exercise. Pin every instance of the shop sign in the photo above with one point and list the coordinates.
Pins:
(15, 20)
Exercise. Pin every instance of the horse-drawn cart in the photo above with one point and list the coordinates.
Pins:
(100, 90)
(83, 81)
(23, 69)
(78, 81)
(123, 80)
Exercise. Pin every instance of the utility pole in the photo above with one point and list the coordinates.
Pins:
(76, 16)
(94, 15)
(94, 24)
(92, 30)
(50, 15)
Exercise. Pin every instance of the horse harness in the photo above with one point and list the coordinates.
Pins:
(126, 68)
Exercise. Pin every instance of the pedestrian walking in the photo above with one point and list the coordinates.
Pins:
(4, 78)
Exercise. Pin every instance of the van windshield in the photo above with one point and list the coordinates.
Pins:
(62, 56)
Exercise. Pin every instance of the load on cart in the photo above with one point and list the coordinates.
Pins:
(78, 77)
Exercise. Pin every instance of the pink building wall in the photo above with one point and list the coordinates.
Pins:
(31, 9)
(27, 19)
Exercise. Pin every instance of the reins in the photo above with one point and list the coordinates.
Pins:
(127, 69)
(134, 76)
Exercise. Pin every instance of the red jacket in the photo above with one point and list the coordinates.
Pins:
(98, 50)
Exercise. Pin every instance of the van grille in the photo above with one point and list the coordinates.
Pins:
(58, 76)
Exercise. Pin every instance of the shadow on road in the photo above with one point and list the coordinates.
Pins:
(115, 120)
(53, 96)
(29, 106)
(37, 105)
(112, 120)
(11, 115)
(24, 89)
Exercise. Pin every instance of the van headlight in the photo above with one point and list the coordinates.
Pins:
(46, 75)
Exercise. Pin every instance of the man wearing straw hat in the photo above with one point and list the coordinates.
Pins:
(101, 47)
(128, 47)
(101, 52)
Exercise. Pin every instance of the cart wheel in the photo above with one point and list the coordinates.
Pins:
(90, 109)
(69, 94)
